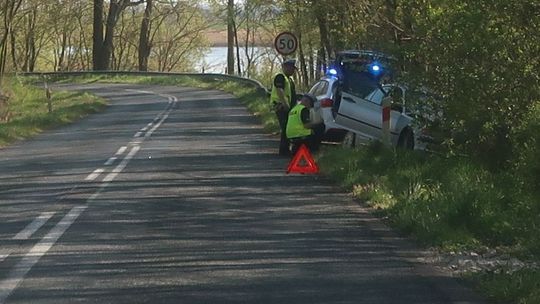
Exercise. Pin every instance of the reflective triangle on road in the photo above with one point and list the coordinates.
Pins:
(303, 162)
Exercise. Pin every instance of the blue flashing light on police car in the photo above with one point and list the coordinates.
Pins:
(332, 72)
(375, 68)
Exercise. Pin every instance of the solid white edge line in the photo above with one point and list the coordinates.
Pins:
(17, 274)
(92, 176)
(31, 228)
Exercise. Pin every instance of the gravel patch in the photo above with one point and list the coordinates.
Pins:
(489, 260)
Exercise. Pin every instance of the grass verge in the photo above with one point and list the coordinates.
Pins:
(28, 110)
(522, 287)
(452, 203)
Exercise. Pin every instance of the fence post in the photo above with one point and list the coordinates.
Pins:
(48, 94)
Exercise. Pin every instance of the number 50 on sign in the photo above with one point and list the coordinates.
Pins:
(286, 43)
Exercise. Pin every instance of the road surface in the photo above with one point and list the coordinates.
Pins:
(176, 195)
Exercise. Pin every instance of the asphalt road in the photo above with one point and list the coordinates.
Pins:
(176, 195)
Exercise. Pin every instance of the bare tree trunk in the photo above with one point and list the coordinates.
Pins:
(144, 42)
(230, 37)
(320, 63)
(103, 46)
(99, 62)
(10, 8)
(14, 50)
(303, 67)
(238, 63)
(323, 32)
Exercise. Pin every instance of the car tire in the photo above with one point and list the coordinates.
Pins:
(349, 140)
(406, 140)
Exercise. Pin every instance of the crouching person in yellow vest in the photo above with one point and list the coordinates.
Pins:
(300, 129)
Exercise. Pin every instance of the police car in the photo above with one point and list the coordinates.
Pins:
(350, 99)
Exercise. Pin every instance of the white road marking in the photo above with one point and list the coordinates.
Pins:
(140, 91)
(138, 134)
(122, 165)
(3, 257)
(110, 161)
(39, 221)
(163, 118)
(149, 125)
(92, 176)
(15, 277)
(17, 274)
(121, 150)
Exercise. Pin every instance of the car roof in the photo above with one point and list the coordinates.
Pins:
(369, 53)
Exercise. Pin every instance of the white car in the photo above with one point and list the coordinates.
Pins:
(326, 90)
(360, 112)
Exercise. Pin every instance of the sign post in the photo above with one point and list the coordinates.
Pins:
(286, 43)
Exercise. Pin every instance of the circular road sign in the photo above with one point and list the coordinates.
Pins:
(286, 43)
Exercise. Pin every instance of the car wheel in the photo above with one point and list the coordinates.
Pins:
(349, 141)
(406, 140)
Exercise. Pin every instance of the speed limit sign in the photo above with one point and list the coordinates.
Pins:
(286, 43)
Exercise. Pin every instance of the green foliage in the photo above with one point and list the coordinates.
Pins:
(450, 202)
(522, 287)
(29, 113)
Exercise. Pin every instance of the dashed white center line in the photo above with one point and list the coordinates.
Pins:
(122, 165)
(27, 232)
(138, 134)
(121, 150)
(92, 176)
(15, 277)
(17, 274)
(110, 161)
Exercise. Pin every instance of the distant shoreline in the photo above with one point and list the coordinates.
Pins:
(218, 38)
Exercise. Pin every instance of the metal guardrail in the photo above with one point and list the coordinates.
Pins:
(215, 76)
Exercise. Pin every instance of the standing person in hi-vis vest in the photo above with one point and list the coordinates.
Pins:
(283, 98)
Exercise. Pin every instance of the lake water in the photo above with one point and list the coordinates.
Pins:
(215, 61)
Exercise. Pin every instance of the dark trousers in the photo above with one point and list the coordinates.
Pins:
(311, 142)
(282, 116)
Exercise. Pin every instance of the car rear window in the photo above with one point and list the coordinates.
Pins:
(320, 88)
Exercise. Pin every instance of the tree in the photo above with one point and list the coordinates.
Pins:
(230, 37)
(144, 37)
(103, 38)
(9, 10)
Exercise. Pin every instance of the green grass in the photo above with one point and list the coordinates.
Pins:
(447, 202)
(29, 114)
(452, 203)
(522, 287)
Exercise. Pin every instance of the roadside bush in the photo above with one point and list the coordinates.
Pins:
(527, 149)
(450, 202)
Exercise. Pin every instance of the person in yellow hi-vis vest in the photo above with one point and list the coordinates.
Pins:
(283, 98)
(300, 128)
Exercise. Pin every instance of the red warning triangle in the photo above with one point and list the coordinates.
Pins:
(303, 156)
